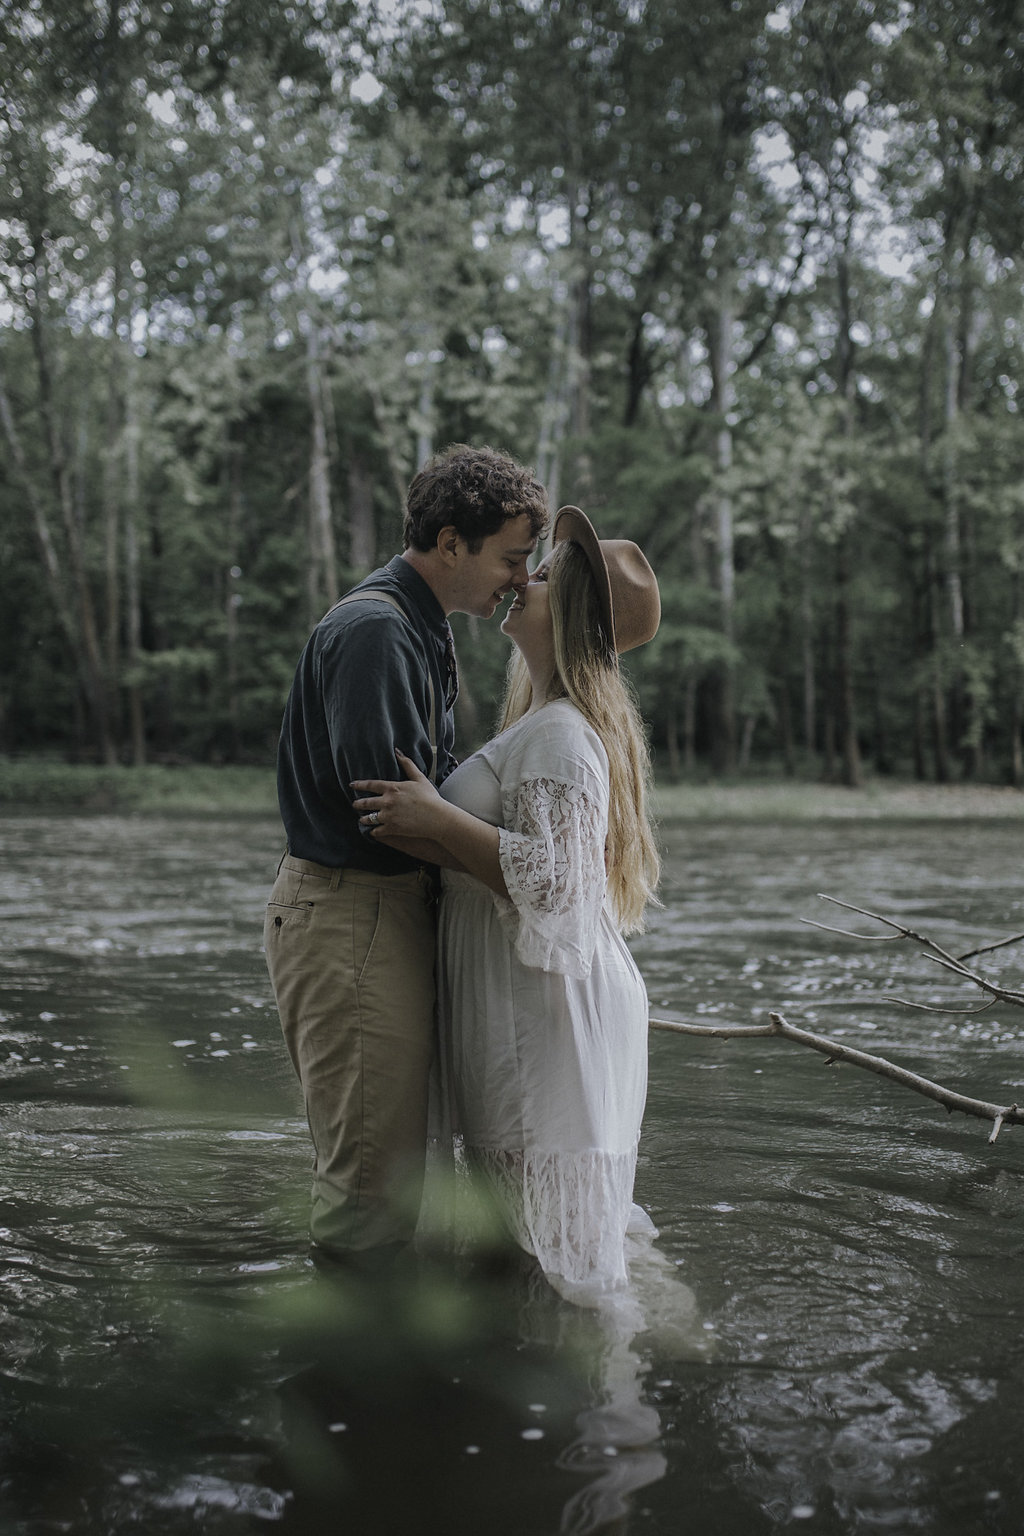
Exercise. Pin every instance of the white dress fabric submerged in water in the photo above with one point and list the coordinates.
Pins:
(543, 1013)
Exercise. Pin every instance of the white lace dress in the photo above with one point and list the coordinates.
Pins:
(543, 1012)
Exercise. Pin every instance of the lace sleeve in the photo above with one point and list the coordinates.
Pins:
(553, 863)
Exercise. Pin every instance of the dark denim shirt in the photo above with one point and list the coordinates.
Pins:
(360, 691)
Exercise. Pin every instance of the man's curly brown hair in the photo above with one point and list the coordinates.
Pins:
(475, 491)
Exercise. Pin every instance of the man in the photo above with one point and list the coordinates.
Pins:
(350, 924)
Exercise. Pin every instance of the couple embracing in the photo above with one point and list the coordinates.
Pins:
(517, 986)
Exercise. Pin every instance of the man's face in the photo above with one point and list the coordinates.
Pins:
(498, 568)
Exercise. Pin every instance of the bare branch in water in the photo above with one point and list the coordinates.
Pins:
(836, 1051)
(714, 1031)
(863, 912)
(901, 928)
(963, 1013)
(847, 933)
(986, 949)
(934, 951)
(1002, 993)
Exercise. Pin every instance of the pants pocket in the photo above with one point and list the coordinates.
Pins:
(282, 914)
(366, 920)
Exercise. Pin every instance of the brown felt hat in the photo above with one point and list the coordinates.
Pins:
(626, 585)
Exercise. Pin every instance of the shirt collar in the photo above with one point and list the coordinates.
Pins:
(418, 590)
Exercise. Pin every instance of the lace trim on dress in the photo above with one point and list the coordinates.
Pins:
(570, 1209)
(553, 864)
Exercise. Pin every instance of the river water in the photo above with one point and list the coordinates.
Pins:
(832, 1336)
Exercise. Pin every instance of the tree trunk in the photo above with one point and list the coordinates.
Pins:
(362, 531)
(232, 597)
(672, 736)
(690, 724)
(786, 742)
(720, 338)
(638, 372)
(1017, 673)
(810, 685)
(950, 490)
(747, 741)
(846, 701)
(853, 776)
(579, 348)
(920, 711)
(117, 341)
(880, 742)
(940, 744)
(394, 457)
(113, 476)
(322, 570)
(425, 414)
(959, 704)
(1017, 740)
(69, 593)
(829, 743)
(133, 584)
(554, 415)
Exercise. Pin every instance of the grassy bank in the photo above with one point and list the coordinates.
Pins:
(879, 800)
(30, 785)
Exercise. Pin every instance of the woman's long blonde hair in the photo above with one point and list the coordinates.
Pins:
(587, 674)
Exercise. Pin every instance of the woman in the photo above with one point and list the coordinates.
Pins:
(548, 859)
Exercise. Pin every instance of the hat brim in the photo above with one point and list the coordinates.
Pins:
(571, 523)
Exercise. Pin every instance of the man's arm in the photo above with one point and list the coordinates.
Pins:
(376, 693)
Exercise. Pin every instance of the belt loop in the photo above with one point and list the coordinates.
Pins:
(281, 860)
(335, 880)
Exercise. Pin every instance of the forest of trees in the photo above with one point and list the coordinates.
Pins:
(742, 278)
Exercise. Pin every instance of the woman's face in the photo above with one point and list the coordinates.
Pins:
(528, 621)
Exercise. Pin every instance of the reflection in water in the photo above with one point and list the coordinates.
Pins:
(833, 1313)
(616, 1439)
(487, 1380)
(614, 1446)
(501, 1406)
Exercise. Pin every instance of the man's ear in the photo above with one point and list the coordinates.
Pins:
(448, 542)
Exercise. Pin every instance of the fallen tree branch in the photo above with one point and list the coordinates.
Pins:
(714, 1031)
(986, 949)
(847, 933)
(934, 952)
(1002, 993)
(834, 1050)
(902, 931)
(961, 1013)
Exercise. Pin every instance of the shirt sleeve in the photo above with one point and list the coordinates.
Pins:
(551, 850)
(376, 695)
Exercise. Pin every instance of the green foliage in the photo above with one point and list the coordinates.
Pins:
(745, 283)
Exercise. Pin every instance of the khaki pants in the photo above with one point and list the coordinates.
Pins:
(351, 961)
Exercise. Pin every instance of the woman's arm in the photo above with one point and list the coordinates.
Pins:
(423, 850)
(395, 811)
